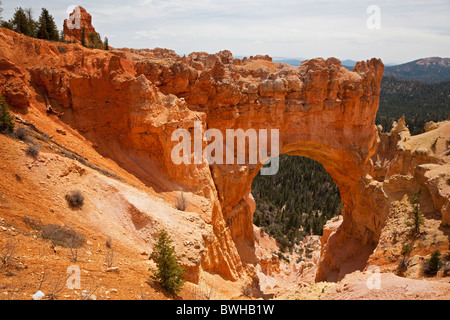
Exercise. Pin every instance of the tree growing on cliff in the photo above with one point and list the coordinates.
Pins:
(416, 214)
(168, 273)
(83, 37)
(105, 42)
(434, 263)
(46, 27)
(31, 23)
(20, 22)
(6, 118)
(95, 41)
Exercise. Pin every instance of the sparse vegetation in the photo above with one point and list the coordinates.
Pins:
(417, 216)
(402, 265)
(181, 203)
(33, 150)
(22, 133)
(7, 254)
(406, 250)
(169, 273)
(62, 236)
(75, 199)
(434, 263)
(246, 290)
(6, 118)
(83, 161)
(109, 256)
(433, 145)
(55, 288)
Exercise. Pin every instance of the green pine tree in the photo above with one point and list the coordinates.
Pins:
(95, 41)
(434, 263)
(6, 118)
(169, 273)
(46, 27)
(417, 216)
(105, 42)
(31, 23)
(20, 22)
(42, 32)
(83, 37)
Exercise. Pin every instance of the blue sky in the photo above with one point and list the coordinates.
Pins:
(284, 28)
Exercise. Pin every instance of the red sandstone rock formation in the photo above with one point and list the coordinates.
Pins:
(130, 107)
(73, 27)
(128, 102)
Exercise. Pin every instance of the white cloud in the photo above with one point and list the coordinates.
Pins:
(289, 28)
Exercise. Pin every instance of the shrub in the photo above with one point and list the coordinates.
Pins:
(246, 290)
(434, 263)
(6, 118)
(62, 236)
(75, 199)
(181, 202)
(402, 265)
(433, 145)
(22, 133)
(169, 273)
(33, 150)
(406, 249)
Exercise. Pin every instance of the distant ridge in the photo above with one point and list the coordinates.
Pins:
(433, 69)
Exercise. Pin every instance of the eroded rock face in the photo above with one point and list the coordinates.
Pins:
(128, 103)
(73, 27)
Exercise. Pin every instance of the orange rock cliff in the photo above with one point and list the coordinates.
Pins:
(127, 102)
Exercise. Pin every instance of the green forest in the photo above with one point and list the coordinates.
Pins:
(420, 102)
(301, 197)
(295, 202)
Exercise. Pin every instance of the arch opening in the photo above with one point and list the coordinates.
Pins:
(295, 202)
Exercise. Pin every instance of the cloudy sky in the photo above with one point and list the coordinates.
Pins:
(408, 30)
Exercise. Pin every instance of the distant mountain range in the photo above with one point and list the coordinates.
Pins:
(433, 69)
(429, 70)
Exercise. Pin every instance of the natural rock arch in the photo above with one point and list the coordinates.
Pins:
(332, 122)
(128, 102)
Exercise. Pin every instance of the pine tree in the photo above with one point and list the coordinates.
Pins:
(106, 43)
(6, 118)
(32, 24)
(168, 273)
(434, 262)
(83, 37)
(95, 41)
(20, 22)
(416, 214)
(1, 10)
(46, 27)
(42, 32)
